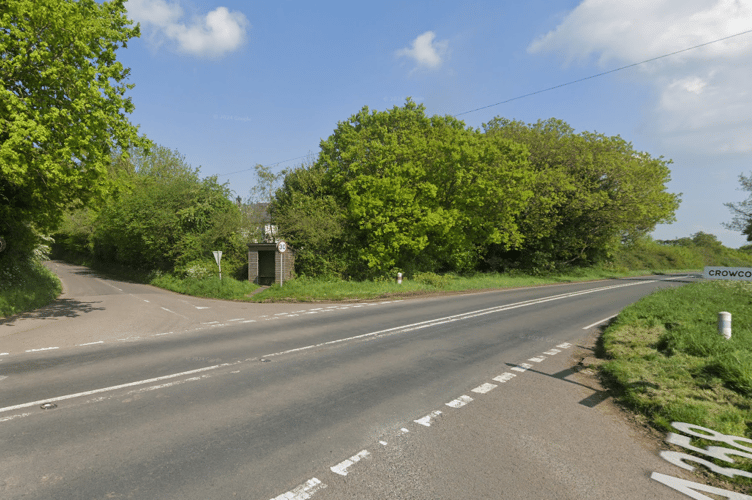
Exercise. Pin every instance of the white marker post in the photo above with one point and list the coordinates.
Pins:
(724, 324)
(218, 258)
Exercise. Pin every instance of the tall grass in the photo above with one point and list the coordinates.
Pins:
(26, 285)
(668, 362)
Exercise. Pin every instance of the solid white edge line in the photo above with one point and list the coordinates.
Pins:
(599, 322)
(457, 317)
(91, 343)
(112, 388)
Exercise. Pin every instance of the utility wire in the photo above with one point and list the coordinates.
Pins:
(605, 73)
(555, 86)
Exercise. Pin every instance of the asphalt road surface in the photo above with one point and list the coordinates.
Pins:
(121, 390)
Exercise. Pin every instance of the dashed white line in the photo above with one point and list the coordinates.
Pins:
(537, 359)
(552, 352)
(201, 307)
(522, 367)
(236, 319)
(302, 492)
(426, 421)
(504, 377)
(91, 343)
(4, 354)
(341, 468)
(383, 443)
(599, 322)
(249, 321)
(459, 402)
(482, 389)
(42, 349)
(13, 417)
(565, 345)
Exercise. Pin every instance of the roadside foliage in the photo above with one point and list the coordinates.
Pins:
(397, 190)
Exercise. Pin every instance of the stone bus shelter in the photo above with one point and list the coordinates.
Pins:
(267, 265)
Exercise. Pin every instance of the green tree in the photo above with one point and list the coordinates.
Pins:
(742, 211)
(592, 193)
(417, 193)
(310, 219)
(62, 105)
(168, 217)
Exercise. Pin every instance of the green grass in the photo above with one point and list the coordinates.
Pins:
(319, 289)
(212, 287)
(26, 286)
(667, 361)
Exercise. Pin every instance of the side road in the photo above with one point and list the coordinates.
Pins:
(93, 309)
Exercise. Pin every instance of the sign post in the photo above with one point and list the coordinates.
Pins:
(281, 248)
(218, 258)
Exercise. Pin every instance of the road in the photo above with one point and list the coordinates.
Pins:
(157, 395)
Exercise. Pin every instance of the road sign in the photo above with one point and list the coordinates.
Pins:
(728, 273)
(218, 258)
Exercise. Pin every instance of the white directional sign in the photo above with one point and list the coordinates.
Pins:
(728, 273)
(218, 258)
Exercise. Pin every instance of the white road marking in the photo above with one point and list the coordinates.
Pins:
(482, 389)
(282, 314)
(460, 317)
(599, 322)
(249, 321)
(146, 301)
(342, 467)
(404, 430)
(552, 352)
(166, 333)
(42, 349)
(13, 417)
(201, 307)
(302, 492)
(504, 377)
(459, 402)
(565, 345)
(427, 419)
(168, 384)
(384, 443)
(537, 359)
(4, 354)
(522, 367)
(236, 319)
(210, 323)
(3, 377)
(91, 343)
(113, 388)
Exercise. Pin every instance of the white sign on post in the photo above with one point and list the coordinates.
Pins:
(218, 258)
(728, 273)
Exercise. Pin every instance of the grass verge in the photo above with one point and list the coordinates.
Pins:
(667, 361)
(211, 287)
(316, 289)
(27, 286)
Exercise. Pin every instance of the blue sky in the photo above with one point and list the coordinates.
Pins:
(230, 84)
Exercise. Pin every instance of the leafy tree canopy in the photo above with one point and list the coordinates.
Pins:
(62, 104)
(742, 211)
(415, 192)
(591, 193)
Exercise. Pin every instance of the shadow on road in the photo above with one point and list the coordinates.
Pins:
(61, 308)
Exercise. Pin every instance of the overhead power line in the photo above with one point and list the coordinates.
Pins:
(605, 72)
(554, 87)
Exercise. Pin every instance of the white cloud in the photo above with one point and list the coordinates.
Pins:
(213, 35)
(703, 103)
(425, 52)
